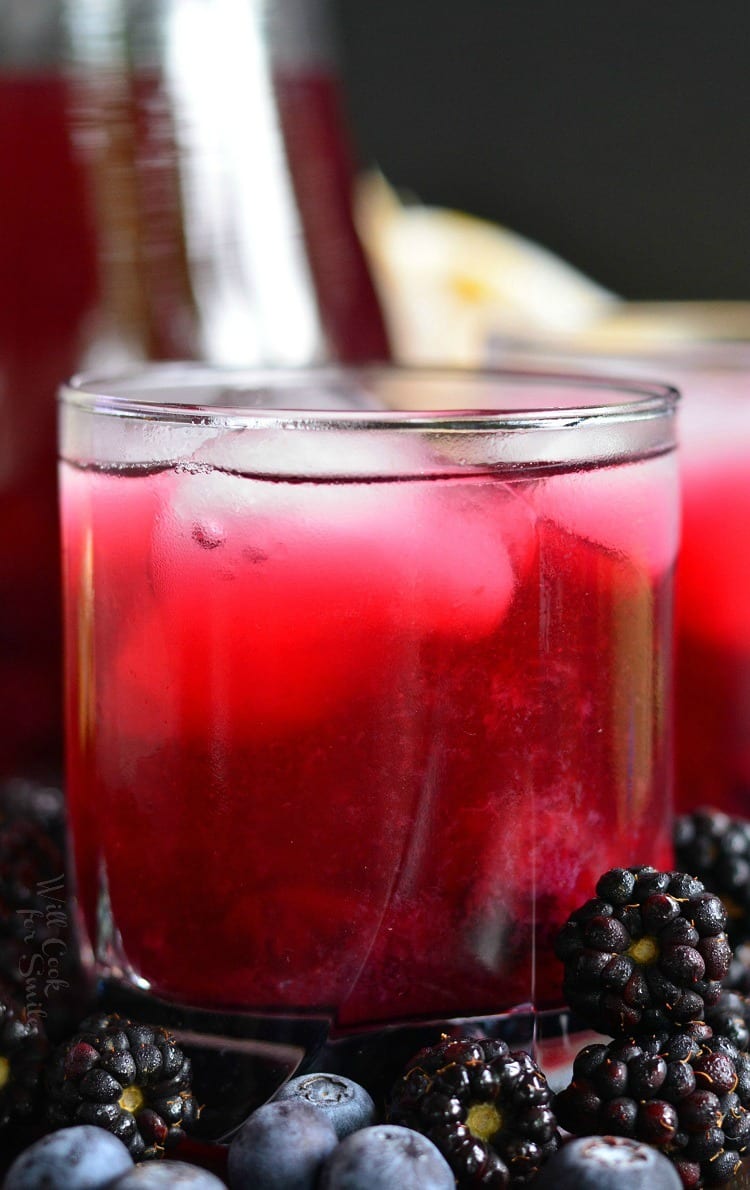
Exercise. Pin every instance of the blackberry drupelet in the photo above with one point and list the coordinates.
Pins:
(685, 1091)
(132, 1079)
(648, 952)
(716, 849)
(488, 1111)
(23, 1048)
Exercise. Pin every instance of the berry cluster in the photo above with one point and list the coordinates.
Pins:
(716, 848)
(644, 962)
(684, 1093)
(664, 1104)
(133, 1080)
(22, 1053)
(31, 863)
(649, 951)
(36, 925)
(486, 1109)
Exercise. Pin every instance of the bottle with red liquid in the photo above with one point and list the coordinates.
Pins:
(175, 182)
(48, 287)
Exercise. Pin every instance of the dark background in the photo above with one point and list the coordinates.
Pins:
(617, 133)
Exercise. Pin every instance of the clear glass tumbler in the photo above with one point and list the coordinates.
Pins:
(368, 681)
(713, 581)
(712, 664)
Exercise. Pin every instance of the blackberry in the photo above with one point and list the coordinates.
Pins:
(44, 805)
(37, 950)
(487, 1110)
(23, 1049)
(738, 975)
(31, 842)
(648, 952)
(132, 1079)
(685, 1091)
(716, 849)
(730, 1016)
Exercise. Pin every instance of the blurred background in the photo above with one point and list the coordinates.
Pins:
(615, 135)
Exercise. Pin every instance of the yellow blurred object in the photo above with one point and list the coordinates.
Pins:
(449, 281)
(635, 325)
(454, 286)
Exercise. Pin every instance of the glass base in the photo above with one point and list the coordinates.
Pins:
(241, 1060)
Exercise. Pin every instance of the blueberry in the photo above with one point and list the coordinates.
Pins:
(347, 1105)
(282, 1146)
(385, 1156)
(81, 1158)
(160, 1175)
(607, 1163)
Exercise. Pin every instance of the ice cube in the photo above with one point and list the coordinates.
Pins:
(632, 508)
(292, 595)
(299, 452)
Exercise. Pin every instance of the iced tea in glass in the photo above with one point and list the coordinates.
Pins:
(368, 679)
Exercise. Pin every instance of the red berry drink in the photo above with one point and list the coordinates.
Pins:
(360, 705)
(713, 590)
(712, 668)
(47, 286)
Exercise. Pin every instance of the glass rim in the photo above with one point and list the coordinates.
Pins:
(639, 399)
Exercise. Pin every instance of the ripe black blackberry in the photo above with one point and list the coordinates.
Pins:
(737, 978)
(488, 1110)
(730, 1016)
(134, 1080)
(716, 849)
(649, 951)
(685, 1091)
(39, 955)
(23, 1048)
(31, 862)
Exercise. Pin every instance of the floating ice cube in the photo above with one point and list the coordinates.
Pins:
(714, 421)
(286, 594)
(632, 508)
(300, 452)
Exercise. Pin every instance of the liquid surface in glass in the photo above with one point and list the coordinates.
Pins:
(358, 747)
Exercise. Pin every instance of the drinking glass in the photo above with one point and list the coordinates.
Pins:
(713, 582)
(712, 664)
(368, 681)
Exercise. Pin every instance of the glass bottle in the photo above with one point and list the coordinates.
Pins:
(175, 182)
